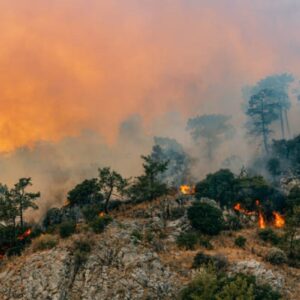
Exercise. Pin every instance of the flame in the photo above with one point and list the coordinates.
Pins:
(279, 221)
(239, 208)
(24, 235)
(101, 214)
(66, 203)
(261, 221)
(187, 190)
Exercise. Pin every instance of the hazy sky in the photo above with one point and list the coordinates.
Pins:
(71, 65)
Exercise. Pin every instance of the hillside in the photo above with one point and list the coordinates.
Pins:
(136, 257)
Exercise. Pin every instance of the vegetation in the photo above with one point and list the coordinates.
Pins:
(206, 218)
(276, 256)
(213, 285)
(187, 240)
(219, 262)
(66, 229)
(240, 241)
(268, 235)
(44, 242)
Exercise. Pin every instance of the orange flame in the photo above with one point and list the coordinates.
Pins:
(101, 214)
(24, 235)
(279, 221)
(261, 221)
(239, 208)
(187, 190)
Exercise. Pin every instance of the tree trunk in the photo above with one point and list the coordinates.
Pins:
(107, 200)
(281, 123)
(287, 123)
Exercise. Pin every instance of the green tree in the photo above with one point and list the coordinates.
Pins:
(213, 129)
(218, 186)
(86, 193)
(273, 166)
(23, 199)
(261, 113)
(149, 185)
(206, 218)
(111, 184)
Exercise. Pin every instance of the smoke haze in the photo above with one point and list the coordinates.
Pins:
(85, 83)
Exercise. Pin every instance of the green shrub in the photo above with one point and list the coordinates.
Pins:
(205, 242)
(44, 242)
(240, 241)
(206, 218)
(187, 240)
(233, 223)
(99, 224)
(81, 249)
(212, 285)
(268, 235)
(276, 256)
(66, 229)
(218, 261)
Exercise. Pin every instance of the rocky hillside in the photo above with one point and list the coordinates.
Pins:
(135, 258)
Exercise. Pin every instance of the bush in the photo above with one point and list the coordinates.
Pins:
(210, 285)
(81, 249)
(66, 229)
(276, 256)
(206, 218)
(233, 223)
(99, 224)
(240, 241)
(218, 261)
(268, 235)
(44, 242)
(187, 240)
(205, 242)
(136, 236)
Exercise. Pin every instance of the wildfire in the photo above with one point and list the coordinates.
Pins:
(187, 190)
(101, 214)
(261, 221)
(278, 220)
(238, 207)
(24, 235)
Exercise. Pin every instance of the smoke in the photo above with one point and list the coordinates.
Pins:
(85, 82)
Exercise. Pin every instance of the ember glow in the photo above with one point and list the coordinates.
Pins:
(101, 214)
(187, 190)
(26, 234)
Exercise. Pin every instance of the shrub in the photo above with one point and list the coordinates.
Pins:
(276, 256)
(211, 285)
(218, 261)
(44, 242)
(187, 240)
(81, 249)
(233, 223)
(205, 242)
(99, 224)
(268, 235)
(66, 229)
(240, 241)
(206, 218)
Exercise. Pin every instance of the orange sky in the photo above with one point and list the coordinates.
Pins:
(68, 65)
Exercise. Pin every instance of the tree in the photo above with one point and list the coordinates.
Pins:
(293, 199)
(86, 193)
(292, 230)
(218, 186)
(206, 218)
(213, 129)
(273, 166)
(166, 149)
(8, 208)
(111, 184)
(261, 113)
(149, 185)
(23, 199)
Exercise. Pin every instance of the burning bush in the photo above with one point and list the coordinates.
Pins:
(206, 218)
(276, 256)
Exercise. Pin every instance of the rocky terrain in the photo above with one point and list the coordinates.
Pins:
(135, 258)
